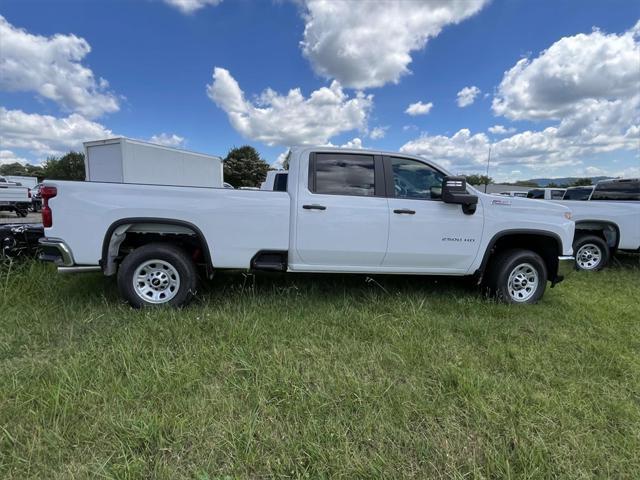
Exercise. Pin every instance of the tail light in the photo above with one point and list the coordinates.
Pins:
(47, 192)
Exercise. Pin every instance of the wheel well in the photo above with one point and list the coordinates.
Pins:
(547, 246)
(608, 231)
(126, 235)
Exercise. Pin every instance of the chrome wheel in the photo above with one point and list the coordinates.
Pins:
(588, 256)
(523, 282)
(156, 281)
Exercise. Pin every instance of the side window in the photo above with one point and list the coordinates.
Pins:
(557, 194)
(535, 193)
(416, 180)
(621, 190)
(342, 174)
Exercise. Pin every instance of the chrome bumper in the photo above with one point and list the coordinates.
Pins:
(566, 265)
(56, 251)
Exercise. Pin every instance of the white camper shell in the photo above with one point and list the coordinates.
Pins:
(123, 160)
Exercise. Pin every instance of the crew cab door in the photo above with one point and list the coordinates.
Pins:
(424, 232)
(342, 215)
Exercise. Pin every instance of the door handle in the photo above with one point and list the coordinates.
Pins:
(404, 211)
(314, 207)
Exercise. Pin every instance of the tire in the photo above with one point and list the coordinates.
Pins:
(592, 252)
(166, 276)
(518, 276)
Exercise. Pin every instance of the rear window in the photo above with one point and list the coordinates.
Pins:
(280, 182)
(536, 193)
(624, 190)
(342, 174)
(577, 194)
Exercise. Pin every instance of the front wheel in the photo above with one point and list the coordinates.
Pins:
(157, 274)
(518, 276)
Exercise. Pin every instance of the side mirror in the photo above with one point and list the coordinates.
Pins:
(454, 190)
(436, 193)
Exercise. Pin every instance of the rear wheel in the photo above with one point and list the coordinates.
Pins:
(157, 274)
(592, 252)
(518, 276)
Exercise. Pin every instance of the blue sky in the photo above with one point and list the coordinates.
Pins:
(158, 57)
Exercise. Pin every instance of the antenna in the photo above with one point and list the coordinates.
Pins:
(487, 175)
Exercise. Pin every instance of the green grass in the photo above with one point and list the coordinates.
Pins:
(319, 377)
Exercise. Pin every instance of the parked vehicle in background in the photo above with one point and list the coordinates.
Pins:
(514, 193)
(36, 198)
(578, 193)
(14, 198)
(546, 193)
(608, 222)
(276, 181)
(22, 180)
(344, 211)
(620, 189)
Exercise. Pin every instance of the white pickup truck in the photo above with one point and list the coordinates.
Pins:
(14, 197)
(608, 222)
(348, 211)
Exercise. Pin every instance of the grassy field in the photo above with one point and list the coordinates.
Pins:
(319, 377)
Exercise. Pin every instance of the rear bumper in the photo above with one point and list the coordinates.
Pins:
(566, 265)
(55, 250)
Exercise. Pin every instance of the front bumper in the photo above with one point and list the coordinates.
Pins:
(55, 250)
(566, 265)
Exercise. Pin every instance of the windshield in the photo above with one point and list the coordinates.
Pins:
(578, 193)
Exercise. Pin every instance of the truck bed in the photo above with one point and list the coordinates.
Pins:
(235, 223)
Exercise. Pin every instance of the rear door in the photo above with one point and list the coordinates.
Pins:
(342, 213)
(426, 234)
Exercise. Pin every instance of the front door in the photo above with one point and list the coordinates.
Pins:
(342, 217)
(424, 232)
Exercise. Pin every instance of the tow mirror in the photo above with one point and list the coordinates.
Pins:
(454, 190)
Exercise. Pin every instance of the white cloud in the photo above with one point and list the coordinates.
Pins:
(168, 140)
(355, 143)
(587, 83)
(574, 73)
(51, 67)
(47, 135)
(190, 6)
(7, 156)
(419, 108)
(369, 43)
(290, 119)
(467, 96)
(378, 133)
(501, 130)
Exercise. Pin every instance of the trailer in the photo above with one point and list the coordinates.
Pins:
(123, 160)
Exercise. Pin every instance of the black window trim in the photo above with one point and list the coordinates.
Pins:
(389, 185)
(378, 175)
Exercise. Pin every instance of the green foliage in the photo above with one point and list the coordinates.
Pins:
(326, 376)
(243, 167)
(67, 167)
(479, 180)
(582, 182)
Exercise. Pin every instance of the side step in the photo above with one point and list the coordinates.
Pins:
(270, 260)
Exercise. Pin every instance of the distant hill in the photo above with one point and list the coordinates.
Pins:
(543, 182)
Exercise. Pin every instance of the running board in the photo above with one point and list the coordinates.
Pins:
(270, 260)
